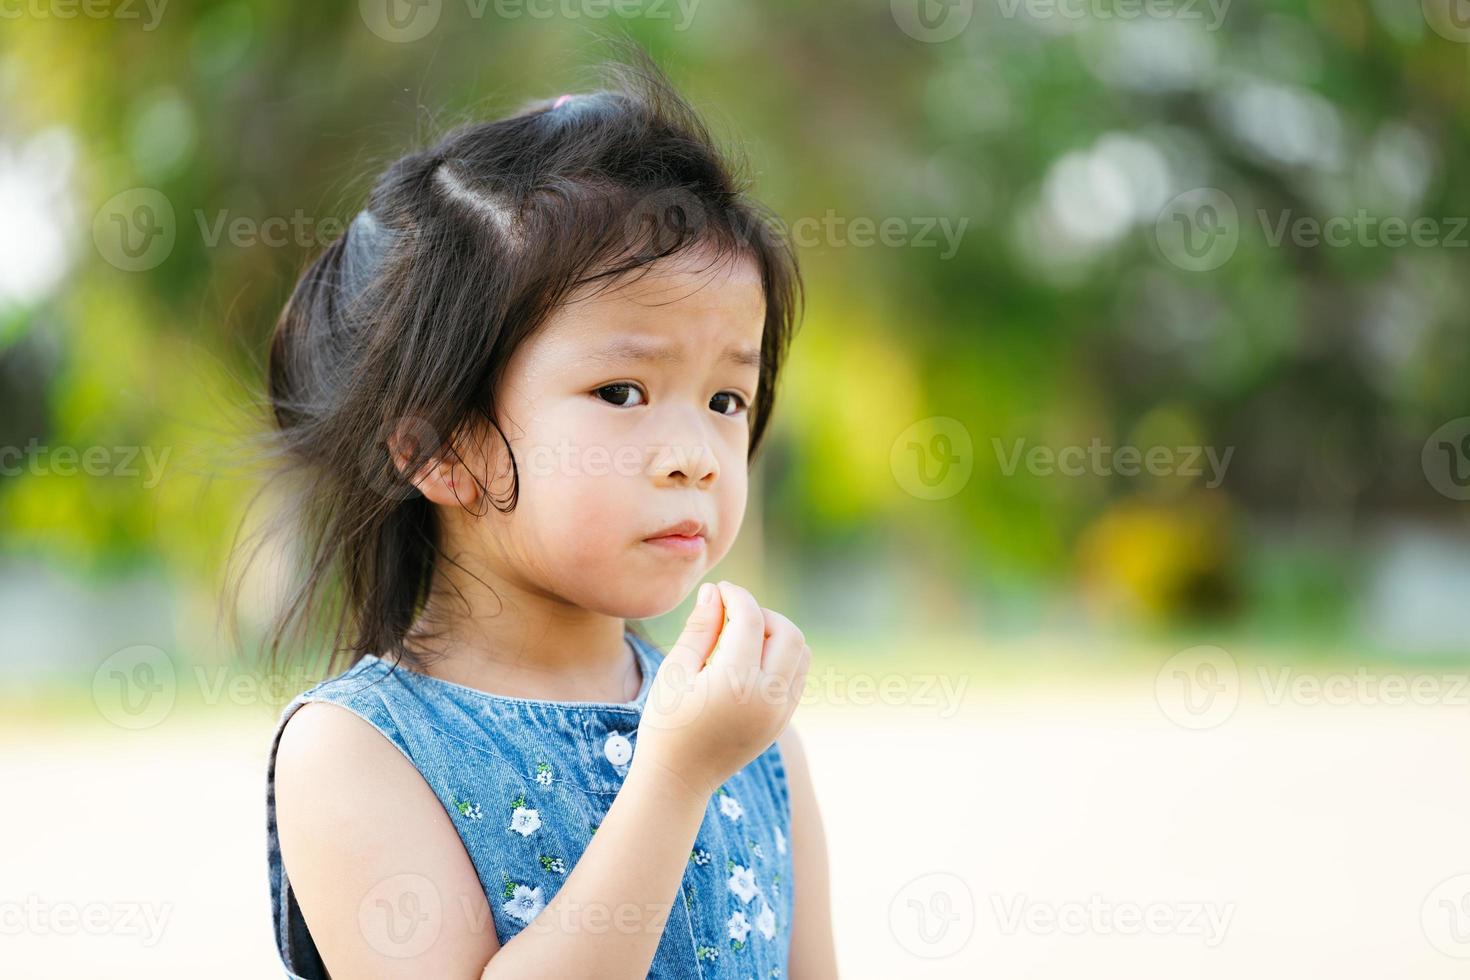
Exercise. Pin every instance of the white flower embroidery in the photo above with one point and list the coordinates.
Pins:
(765, 921)
(738, 925)
(780, 840)
(543, 774)
(755, 848)
(742, 882)
(730, 806)
(524, 821)
(526, 904)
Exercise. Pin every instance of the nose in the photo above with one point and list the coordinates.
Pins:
(688, 459)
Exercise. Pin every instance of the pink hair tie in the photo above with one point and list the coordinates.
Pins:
(559, 100)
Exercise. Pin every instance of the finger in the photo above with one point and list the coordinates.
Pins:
(743, 635)
(783, 644)
(701, 631)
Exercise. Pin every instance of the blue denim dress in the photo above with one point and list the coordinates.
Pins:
(527, 782)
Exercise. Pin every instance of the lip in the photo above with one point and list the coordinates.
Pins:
(679, 544)
(684, 538)
(683, 529)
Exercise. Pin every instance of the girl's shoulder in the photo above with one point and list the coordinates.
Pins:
(426, 716)
(363, 689)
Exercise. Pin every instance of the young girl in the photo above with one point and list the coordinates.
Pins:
(520, 396)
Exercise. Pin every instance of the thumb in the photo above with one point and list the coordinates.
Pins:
(701, 632)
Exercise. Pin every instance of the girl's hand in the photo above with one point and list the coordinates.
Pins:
(724, 692)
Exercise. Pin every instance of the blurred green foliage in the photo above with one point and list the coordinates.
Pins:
(1052, 144)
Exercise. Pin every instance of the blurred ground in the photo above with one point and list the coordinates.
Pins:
(1056, 830)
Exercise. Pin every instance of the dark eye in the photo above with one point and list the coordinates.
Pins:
(729, 398)
(618, 394)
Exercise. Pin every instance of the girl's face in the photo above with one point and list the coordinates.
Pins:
(626, 413)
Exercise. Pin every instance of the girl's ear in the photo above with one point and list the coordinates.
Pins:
(448, 484)
(444, 481)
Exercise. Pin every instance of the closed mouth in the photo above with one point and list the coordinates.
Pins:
(686, 530)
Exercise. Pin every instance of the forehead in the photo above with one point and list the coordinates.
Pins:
(688, 297)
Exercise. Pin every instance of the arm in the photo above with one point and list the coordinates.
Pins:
(812, 954)
(608, 917)
(378, 869)
(345, 798)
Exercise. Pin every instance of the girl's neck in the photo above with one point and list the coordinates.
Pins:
(518, 644)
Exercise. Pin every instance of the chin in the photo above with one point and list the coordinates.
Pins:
(651, 606)
(651, 598)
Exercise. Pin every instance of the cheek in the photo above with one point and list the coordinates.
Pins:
(730, 502)
(577, 499)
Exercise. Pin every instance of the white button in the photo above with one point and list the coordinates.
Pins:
(618, 749)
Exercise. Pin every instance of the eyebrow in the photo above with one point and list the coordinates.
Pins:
(627, 349)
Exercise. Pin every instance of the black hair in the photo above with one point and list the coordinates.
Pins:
(408, 320)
